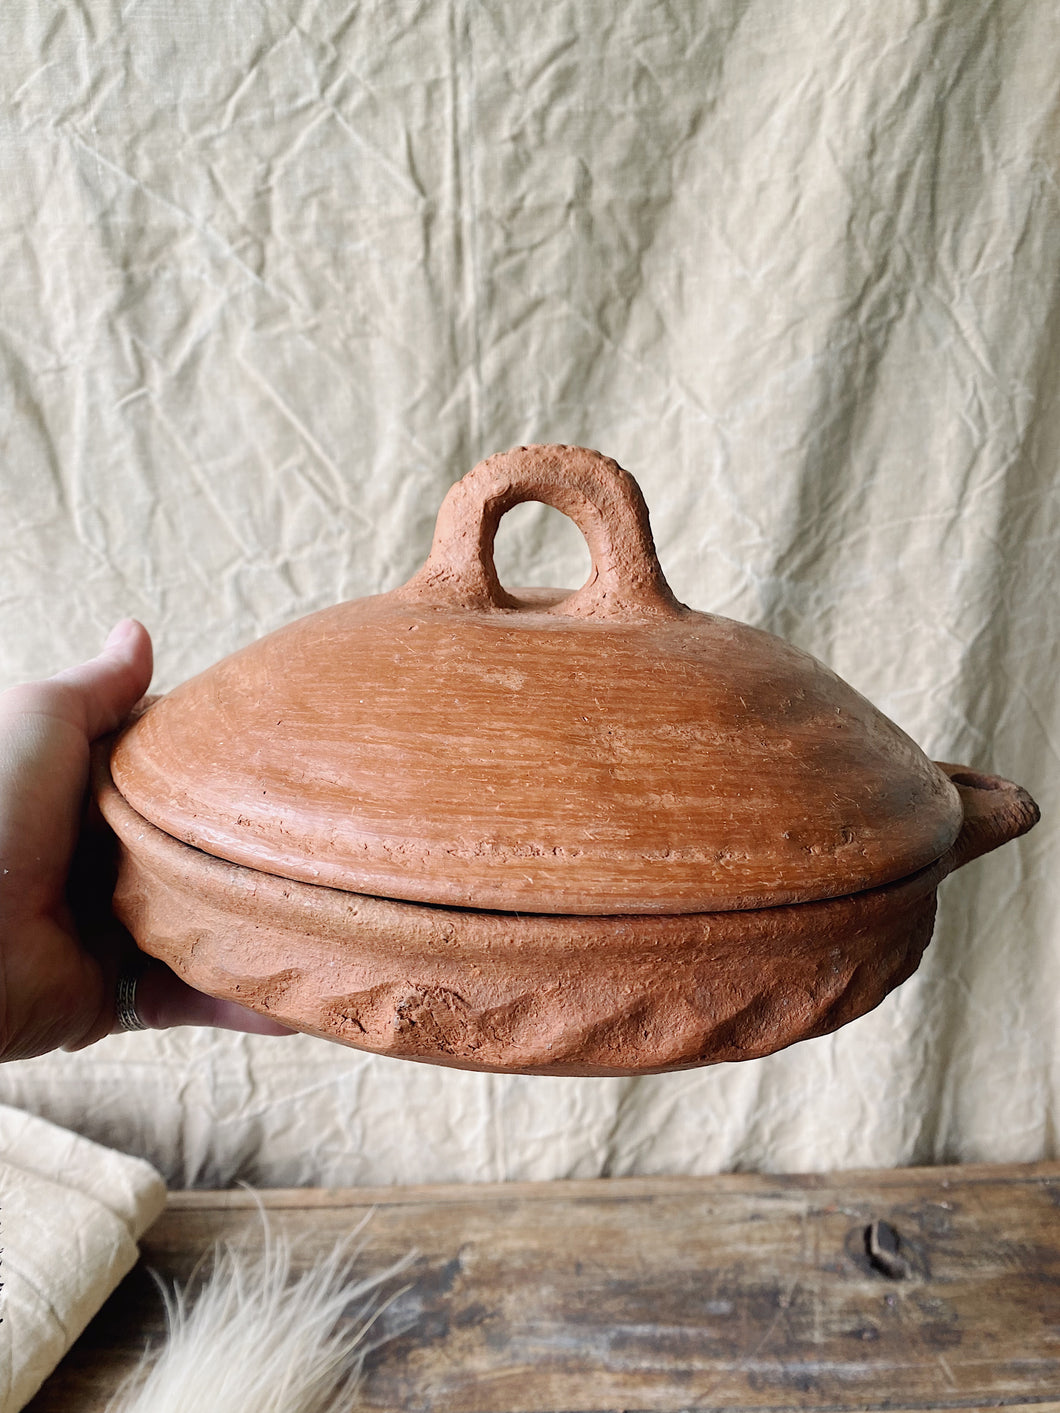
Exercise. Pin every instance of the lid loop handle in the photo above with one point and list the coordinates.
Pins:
(626, 582)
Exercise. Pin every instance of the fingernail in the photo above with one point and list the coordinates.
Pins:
(120, 633)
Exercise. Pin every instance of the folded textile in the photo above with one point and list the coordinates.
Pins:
(71, 1213)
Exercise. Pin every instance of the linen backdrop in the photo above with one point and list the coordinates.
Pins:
(274, 273)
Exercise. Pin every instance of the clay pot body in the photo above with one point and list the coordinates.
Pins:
(549, 832)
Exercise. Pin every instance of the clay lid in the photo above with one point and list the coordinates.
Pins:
(604, 751)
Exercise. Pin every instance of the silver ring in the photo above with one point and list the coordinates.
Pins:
(128, 1017)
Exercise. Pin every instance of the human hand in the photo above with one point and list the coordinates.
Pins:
(61, 949)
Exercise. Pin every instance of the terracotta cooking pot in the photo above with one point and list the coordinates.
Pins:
(541, 831)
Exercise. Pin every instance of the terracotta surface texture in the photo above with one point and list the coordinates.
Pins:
(536, 995)
(592, 752)
(542, 831)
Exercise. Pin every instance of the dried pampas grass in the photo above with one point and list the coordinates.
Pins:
(255, 1338)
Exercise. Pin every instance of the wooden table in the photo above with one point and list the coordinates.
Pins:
(735, 1292)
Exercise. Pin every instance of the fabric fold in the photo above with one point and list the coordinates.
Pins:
(71, 1213)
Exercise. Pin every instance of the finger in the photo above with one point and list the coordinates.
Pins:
(45, 728)
(163, 1000)
(108, 686)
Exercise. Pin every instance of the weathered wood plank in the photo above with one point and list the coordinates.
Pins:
(737, 1292)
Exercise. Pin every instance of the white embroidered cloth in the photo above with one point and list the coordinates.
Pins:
(71, 1214)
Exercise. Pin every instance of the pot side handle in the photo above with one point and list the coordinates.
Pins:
(626, 582)
(995, 811)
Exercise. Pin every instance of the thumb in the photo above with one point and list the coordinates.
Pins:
(164, 1000)
(108, 686)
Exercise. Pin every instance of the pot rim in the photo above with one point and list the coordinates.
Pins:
(532, 993)
(996, 810)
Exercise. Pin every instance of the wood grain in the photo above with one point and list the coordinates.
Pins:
(735, 1292)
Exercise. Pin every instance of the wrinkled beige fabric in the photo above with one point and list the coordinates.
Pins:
(275, 274)
(71, 1214)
